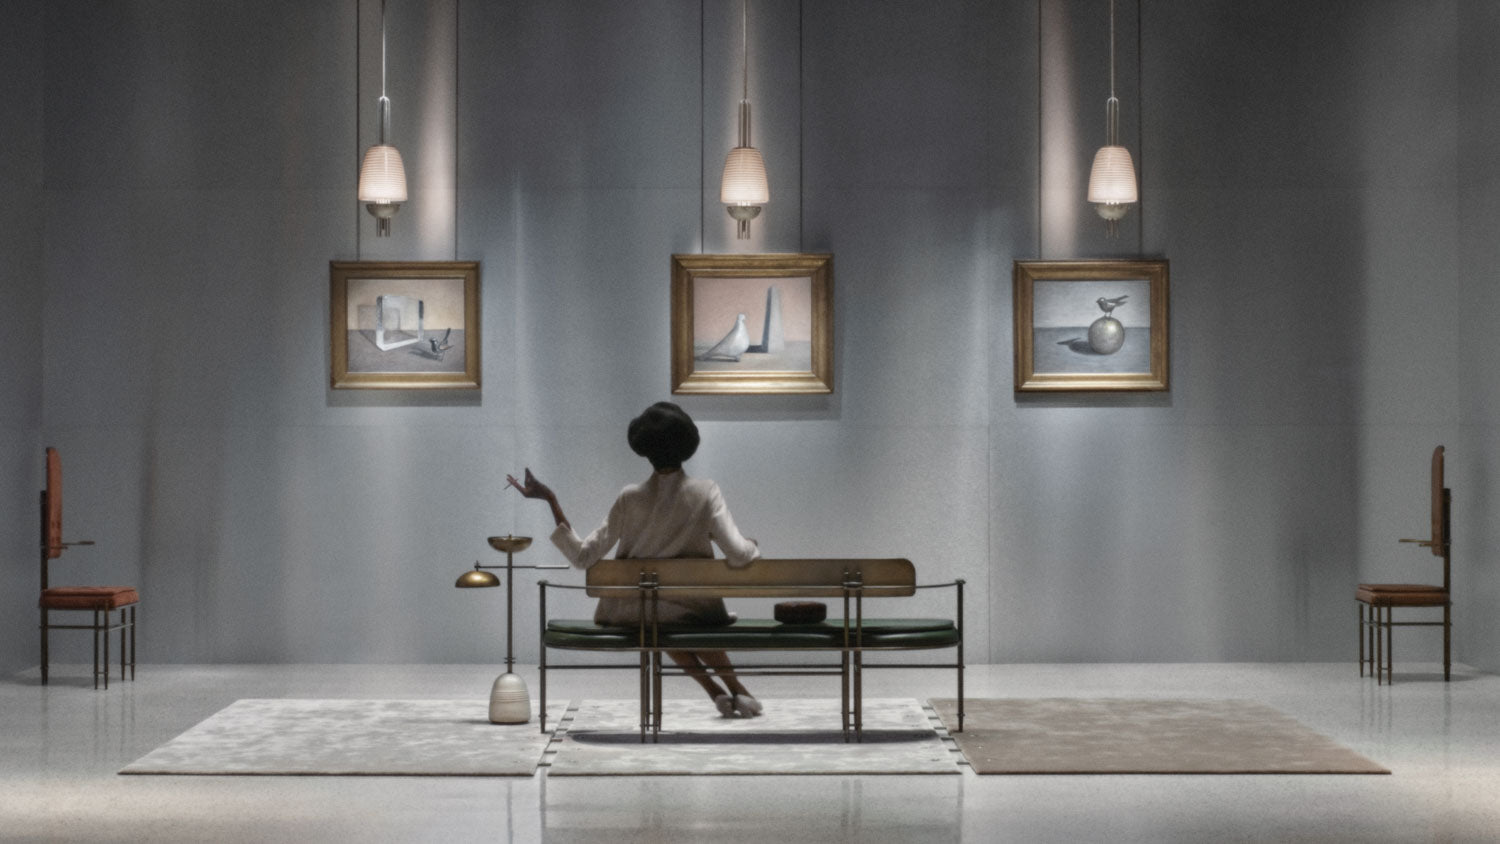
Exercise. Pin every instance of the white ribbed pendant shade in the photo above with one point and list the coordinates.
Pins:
(744, 181)
(1112, 178)
(382, 177)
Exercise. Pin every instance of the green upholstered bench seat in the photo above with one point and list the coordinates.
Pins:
(757, 634)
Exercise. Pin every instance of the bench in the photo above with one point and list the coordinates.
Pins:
(851, 637)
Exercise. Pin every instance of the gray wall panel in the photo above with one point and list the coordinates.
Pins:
(1313, 172)
(22, 261)
(1476, 481)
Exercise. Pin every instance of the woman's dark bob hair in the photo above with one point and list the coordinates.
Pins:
(664, 434)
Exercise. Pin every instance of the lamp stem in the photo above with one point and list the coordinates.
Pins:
(510, 580)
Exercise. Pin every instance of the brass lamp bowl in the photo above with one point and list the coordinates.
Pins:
(510, 544)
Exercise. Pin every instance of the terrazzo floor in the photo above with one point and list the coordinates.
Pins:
(61, 745)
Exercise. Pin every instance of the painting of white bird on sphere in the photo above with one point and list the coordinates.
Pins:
(752, 324)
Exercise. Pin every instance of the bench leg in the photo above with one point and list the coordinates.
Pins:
(656, 694)
(645, 692)
(858, 696)
(960, 685)
(844, 693)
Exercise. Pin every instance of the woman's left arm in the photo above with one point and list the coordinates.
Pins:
(738, 549)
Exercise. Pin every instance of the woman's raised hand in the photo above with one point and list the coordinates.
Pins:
(532, 488)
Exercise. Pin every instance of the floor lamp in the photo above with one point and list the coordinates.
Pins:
(510, 702)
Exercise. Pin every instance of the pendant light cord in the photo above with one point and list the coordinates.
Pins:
(385, 102)
(1112, 48)
(745, 46)
(1112, 107)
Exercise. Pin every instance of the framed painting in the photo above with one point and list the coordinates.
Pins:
(1091, 325)
(404, 325)
(752, 324)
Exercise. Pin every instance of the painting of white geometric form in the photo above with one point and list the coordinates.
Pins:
(1091, 326)
(406, 325)
(778, 311)
(398, 322)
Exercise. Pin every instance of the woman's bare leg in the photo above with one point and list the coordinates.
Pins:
(688, 661)
(719, 662)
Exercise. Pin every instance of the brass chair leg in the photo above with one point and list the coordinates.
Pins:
(1447, 641)
(1390, 649)
(45, 630)
(1361, 638)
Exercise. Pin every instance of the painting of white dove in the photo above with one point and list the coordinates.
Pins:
(732, 346)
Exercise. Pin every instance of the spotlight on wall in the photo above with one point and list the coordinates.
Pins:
(1112, 178)
(744, 189)
(382, 177)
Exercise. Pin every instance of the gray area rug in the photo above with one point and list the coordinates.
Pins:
(600, 737)
(1120, 736)
(352, 738)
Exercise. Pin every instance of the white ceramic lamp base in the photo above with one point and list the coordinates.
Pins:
(510, 702)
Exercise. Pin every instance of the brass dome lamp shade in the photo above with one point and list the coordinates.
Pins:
(477, 578)
(510, 702)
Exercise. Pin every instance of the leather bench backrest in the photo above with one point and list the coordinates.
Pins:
(763, 578)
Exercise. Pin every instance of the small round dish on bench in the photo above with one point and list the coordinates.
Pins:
(801, 612)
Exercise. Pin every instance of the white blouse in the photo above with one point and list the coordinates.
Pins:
(670, 515)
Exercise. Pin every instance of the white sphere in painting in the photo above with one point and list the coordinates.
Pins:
(1106, 335)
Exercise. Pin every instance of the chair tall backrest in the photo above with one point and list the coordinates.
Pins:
(1442, 510)
(52, 539)
(763, 578)
(52, 545)
(1439, 520)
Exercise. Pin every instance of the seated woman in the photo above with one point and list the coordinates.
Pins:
(670, 515)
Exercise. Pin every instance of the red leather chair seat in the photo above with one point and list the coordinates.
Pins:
(1400, 595)
(88, 597)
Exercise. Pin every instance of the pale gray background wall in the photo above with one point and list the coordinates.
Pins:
(1316, 173)
(21, 290)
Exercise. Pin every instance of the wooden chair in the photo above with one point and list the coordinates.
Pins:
(1378, 600)
(100, 600)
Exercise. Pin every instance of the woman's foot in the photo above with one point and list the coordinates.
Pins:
(745, 705)
(725, 704)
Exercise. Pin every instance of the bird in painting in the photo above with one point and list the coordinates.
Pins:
(441, 347)
(1108, 305)
(734, 344)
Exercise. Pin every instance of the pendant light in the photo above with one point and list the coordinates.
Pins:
(382, 177)
(1112, 178)
(743, 189)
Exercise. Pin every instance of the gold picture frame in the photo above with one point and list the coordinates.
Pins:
(752, 324)
(404, 325)
(1091, 325)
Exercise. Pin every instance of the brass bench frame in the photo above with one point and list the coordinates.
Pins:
(851, 580)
